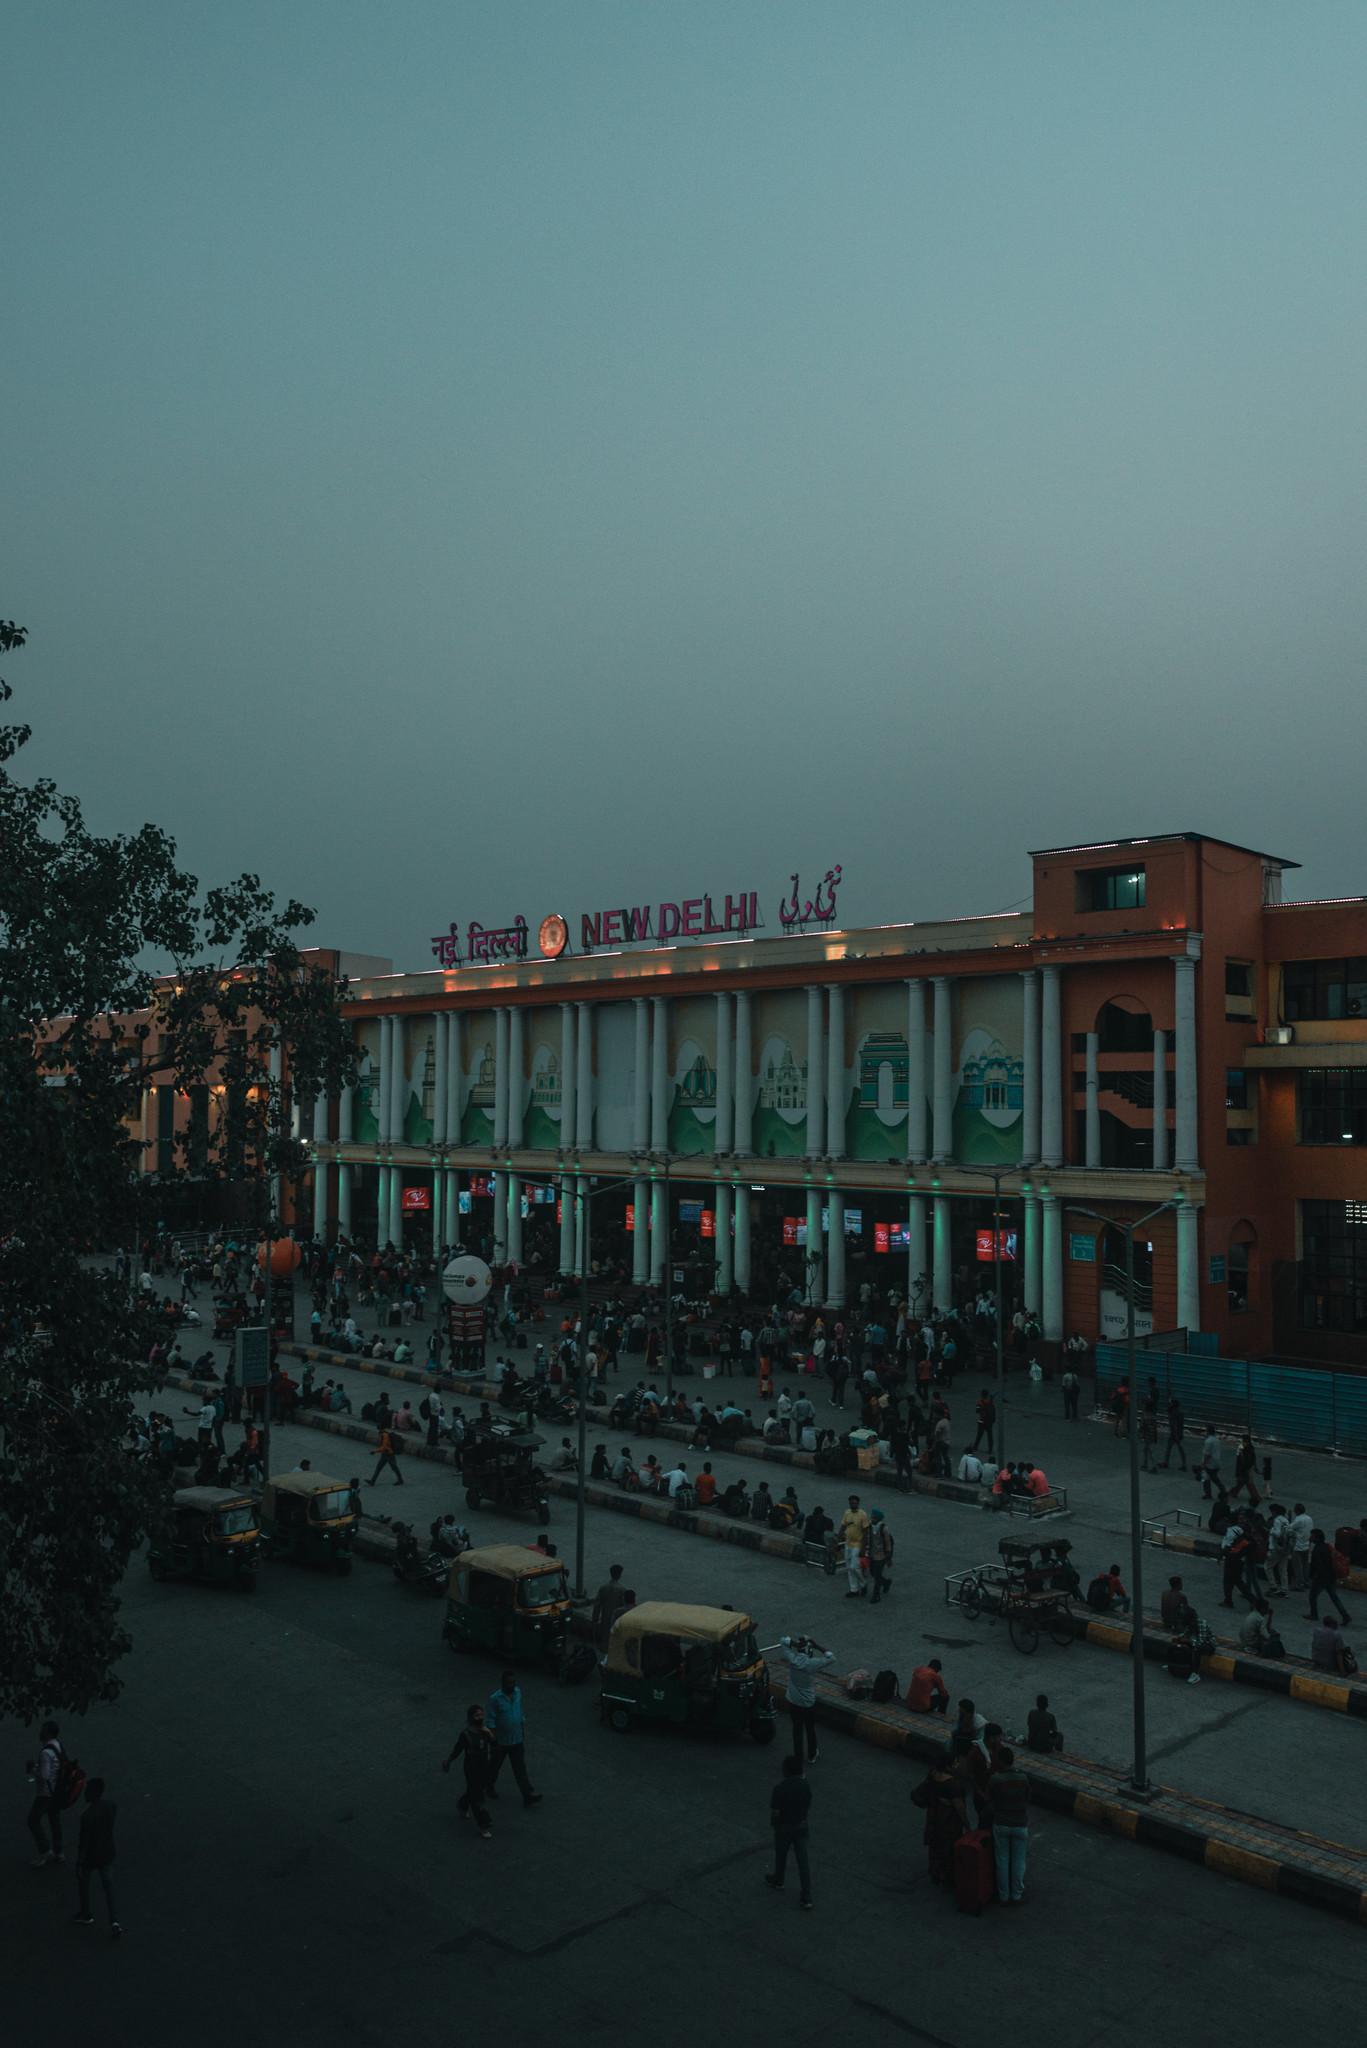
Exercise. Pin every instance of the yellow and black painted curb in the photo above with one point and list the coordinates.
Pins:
(1318, 1873)
(1199, 1543)
(1292, 1677)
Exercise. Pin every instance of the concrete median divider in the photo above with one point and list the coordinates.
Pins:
(1244, 1846)
(1192, 1542)
(1293, 1677)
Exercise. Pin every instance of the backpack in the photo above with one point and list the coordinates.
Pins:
(69, 1783)
(858, 1685)
(1099, 1593)
(885, 1687)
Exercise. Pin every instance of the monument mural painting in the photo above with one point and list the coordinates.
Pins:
(543, 1123)
(419, 1080)
(365, 1102)
(477, 1119)
(692, 1076)
(989, 1081)
(779, 1125)
(614, 1085)
(876, 1098)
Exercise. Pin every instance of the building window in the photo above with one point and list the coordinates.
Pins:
(1333, 1105)
(1110, 888)
(1121, 1030)
(1238, 1134)
(1324, 990)
(1239, 989)
(1236, 1278)
(1333, 1266)
(1236, 1088)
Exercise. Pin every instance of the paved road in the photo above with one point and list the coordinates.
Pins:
(292, 1869)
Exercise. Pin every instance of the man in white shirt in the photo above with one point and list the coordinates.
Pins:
(783, 1407)
(564, 1459)
(675, 1479)
(971, 1469)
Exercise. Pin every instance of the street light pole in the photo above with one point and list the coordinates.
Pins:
(1001, 1349)
(583, 1195)
(1139, 1775)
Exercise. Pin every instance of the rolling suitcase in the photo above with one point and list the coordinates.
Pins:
(973, 1870)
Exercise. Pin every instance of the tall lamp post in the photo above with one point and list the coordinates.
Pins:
(660, 1161)
(994, 1174)
(583, 1195)
(1139, 1776)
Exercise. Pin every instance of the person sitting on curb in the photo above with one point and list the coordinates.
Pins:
(927, 1692)
(1329, 1652)
(1041, 1729)
(624, 1471)
(1257, 1634)
(1176, 1609)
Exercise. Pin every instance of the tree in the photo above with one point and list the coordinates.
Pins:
(117, 974)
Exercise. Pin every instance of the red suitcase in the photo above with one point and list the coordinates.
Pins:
(974, 1871)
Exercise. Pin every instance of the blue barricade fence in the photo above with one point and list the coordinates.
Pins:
(1316, 1410)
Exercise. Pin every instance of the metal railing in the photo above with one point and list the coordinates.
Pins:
(1312, 1409)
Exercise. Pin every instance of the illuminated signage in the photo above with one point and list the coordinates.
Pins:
(793, 913)
(502, 942)
(1006, 1244)
(708, 1222)
(693, 917)
(416, 1198)
(880, 1237)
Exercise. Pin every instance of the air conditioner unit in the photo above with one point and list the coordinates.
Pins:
(1280, 1034)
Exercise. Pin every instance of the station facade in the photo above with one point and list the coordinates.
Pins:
(1159, 1032)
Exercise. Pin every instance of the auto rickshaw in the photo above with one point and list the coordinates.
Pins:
(508, 1599)
(501, 1467)
(692, 1665)
(306, 1515)
(215, 1534)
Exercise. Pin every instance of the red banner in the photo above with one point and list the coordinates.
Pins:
(708, 1222)
(631, 1216)
(416, 1198)
(881, 1237)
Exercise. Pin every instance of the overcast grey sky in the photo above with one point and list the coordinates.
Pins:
(469, 459)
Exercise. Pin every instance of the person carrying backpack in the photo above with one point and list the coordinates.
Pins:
(58, 1781)
(881, 1548)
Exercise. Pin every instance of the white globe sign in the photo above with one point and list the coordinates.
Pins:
(466, 1280)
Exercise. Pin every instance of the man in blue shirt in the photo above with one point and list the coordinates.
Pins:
(510, 1738)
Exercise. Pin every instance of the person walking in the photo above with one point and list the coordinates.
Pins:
(1148, 1433)
(789, 1805)
(1072, 1390)
(880, 1554)
(1321, 1577)
(476, 1745)
(1298, 1562)
(1177, 1429)
(95, 1856)
(1010, 1791)
(1208, 1471)
(610, 1600)
(985, 1414)
(854, 1535)
(45, 1814)
(389, 1455)
(509, 1725)
(804, 1658)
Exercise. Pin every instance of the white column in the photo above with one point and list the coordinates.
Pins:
(320, 1118)
(583, 1108)
(659, 1085)
(567, 1076)
(918, 1268)
(1051, 1071)
(742, 1201)
(583, 1225)
(1032, 1253)
(659, 1248)
(726, 1260)
(1160, 1101)
(942, 1274)
(566, 1225)
(398, 1094)
(1184, 1151)
(438, 1184)
(346, 1111)
(1188, 1269)
(500, 1187)
(742, 1127)
(381, 1106)
(942, 1134)
(916, 1073)
(1051, 1283)
(835, 1251)
(1030, 1052)
(1093, 1115)
(640, 1202)
(814, 1277)
(640, 1107)
(835, 1078)
(382, 1207)
(726, 1086)
(320, 1198)
(450, 1214)
(396, 1206)
(440, 1029)
(816, 1078)
(500, 1076)
(453, 1082)
(514, 1216)
(344, 1201)
(516, 1090)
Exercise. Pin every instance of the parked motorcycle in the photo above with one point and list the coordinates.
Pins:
(415, 1567)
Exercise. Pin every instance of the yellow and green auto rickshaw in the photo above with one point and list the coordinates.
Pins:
(691, 1665)
(214, 1534)
(308, 1516)
(508, 1599)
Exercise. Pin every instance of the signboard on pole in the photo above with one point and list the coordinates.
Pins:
(252, 1357)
